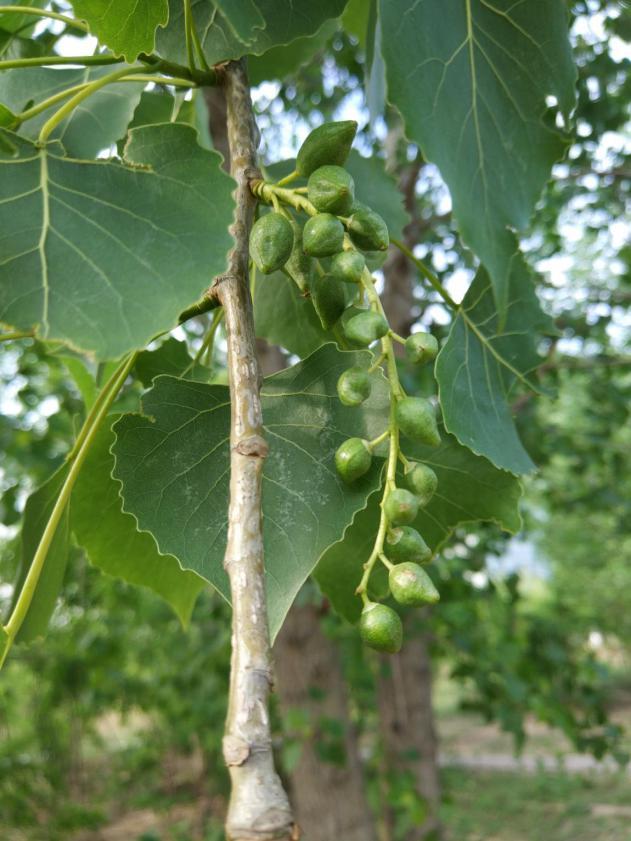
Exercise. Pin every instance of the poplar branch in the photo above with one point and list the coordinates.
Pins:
(259, 808)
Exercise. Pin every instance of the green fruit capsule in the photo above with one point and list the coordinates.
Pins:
(401, 507)
(406, 544)
(368, 230)
(423, 482)
(417, 420)
(331, 189)
(411, 585)
(353, 386)
(353, 458)
(365, 328)
(421, 347)
(348, 266)
(323, 235)
(271, 242)
(380, 628)
(327, 144)
(328, 299)
(298, 265)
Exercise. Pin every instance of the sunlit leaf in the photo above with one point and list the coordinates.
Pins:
(104, 256)
(127, 27)
(37, 511)
(481, 362)
(471, 78)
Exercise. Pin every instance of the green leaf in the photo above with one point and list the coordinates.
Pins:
(378, 189)
(97, 123)
(375, 81)
(83, 378)
(471, 81)
(355, 20)
(481, 361)
(172, 357)
(37, 511)
(111, 539)
(299, 330)
(12, 22)
(153, 107)
(242, 16)
(7, 117)
(280, 62)
(174, 466)
(127, 27)
(469, 489)
(104, 256)
(285, 20)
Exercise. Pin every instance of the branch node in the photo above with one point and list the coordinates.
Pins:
(253, 445)
(235, 750)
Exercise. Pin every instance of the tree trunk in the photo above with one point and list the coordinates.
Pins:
(407, 726)
(329, 797)
(405, 682)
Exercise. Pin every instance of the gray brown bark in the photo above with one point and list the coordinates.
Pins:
(329, 797)
(407, 725)
(258, 809)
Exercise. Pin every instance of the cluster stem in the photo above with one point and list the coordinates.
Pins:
(394, 453)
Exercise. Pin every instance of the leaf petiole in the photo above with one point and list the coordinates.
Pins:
(60, 115)
(59, 97)
(86, 436)
(48, 13)
(50, 60)
(16, 334)
(427, 273)
(188, 30)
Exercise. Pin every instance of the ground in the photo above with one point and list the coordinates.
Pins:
(490, 794)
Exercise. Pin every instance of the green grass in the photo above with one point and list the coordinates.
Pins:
(484, 806)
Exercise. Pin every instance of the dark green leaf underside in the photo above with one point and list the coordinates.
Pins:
(223, 37)
(481, 362)
(111, 539)
(174, 465)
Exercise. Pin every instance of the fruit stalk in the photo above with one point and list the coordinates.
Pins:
(387, 352)
(259, 808)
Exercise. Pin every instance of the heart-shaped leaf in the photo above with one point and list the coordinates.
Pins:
(104, 256)
(471, 78)
(481, 361)
(174, 466)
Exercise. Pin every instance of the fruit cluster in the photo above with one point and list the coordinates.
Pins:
(325, 258)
